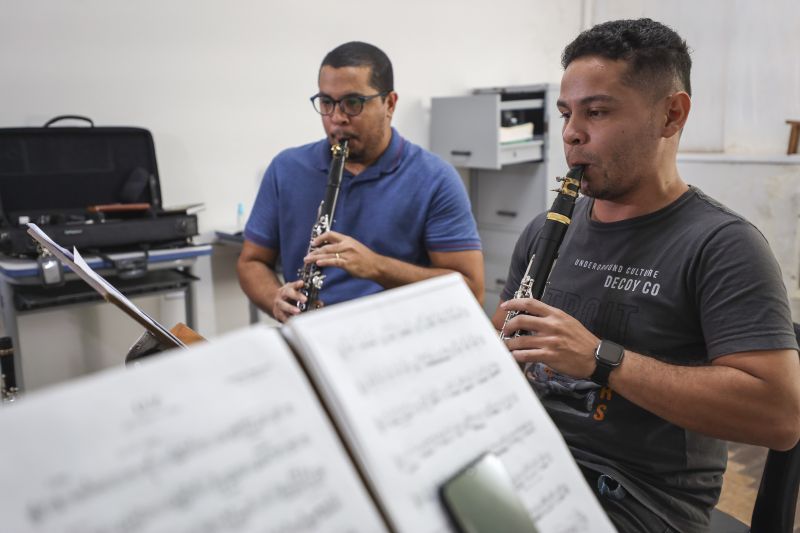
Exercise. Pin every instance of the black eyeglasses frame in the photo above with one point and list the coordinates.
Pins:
(361, 97)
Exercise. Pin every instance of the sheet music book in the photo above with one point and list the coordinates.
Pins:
(348, 418)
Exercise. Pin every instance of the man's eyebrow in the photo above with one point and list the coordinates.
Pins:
(590, 100)
(348, 95)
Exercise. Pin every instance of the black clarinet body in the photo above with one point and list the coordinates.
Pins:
(8, 376)
(310, 273)
(545, 250)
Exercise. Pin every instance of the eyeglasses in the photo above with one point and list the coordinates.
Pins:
(351, 105)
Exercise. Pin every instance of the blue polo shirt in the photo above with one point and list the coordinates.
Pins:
(407, 203)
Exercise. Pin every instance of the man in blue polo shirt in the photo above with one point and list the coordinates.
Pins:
(402, 214)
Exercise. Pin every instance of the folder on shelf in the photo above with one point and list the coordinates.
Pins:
(348, 418)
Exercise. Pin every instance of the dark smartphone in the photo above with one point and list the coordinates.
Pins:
(481, 499)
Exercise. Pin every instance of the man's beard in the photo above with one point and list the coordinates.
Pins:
(604, 188)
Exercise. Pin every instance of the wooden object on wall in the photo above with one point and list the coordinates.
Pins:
(794, 136)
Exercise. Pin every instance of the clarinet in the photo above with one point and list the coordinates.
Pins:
(8, 377)
(545, 251)
(310, 273)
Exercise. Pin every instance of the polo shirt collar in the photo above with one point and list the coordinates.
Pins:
(388, 161)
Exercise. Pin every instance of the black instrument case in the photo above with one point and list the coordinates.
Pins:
(96, 188)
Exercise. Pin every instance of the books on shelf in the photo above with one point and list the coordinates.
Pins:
(516, 134)
(348, 418)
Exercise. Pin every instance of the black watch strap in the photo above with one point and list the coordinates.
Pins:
(601, 374)
(607, 356)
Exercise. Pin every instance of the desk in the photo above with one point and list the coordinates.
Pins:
(21, 290)
(236, 239)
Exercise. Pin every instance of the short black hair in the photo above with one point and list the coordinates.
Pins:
(657, 56)
(359, 54)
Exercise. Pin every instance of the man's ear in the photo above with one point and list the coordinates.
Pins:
(391, 103)
(677, 106)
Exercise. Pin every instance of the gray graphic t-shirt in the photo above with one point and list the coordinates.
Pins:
(684, 285)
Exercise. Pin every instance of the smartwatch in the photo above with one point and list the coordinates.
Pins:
(608, 356)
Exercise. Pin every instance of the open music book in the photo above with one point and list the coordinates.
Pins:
(348, 418)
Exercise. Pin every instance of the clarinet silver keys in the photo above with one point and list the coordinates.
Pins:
(8, 376)
(310, 273)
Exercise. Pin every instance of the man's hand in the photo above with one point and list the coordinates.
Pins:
(283, 306)
(558, 340)
(334, 249)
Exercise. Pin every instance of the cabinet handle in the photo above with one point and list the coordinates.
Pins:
(509, 214)
(461, 152)
(500, 281)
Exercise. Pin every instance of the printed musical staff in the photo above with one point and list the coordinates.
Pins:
(411, 460)
(390, 333)
(401, 415)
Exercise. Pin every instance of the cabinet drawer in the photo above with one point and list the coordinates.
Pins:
(495, 275)
(509, 198)
(498, 245)
(521, 152)
(464, 130)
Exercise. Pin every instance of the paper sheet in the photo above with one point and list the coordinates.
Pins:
(224, 437)
(421, 385)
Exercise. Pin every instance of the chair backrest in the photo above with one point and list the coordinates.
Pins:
(777, 495)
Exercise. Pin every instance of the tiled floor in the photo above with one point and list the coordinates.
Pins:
(741, 482)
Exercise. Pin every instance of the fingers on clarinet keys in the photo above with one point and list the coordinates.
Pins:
(514, 334)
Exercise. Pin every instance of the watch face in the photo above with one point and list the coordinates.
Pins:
(610, 353)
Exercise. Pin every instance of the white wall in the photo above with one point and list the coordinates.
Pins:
(223, 86)
(746, 68)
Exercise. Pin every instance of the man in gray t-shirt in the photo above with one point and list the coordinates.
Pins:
(681, 299)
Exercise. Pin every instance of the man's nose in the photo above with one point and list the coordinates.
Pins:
(573, 132)
(338, 115)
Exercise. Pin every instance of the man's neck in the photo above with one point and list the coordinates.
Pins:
(648, 198)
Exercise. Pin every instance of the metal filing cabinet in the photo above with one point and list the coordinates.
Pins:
(509, 140)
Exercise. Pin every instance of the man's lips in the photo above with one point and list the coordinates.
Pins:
(577, 162)
(342, 135)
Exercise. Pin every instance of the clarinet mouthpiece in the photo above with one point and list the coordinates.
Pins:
(576, 172)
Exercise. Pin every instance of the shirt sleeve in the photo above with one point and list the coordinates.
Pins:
(741, 296)
(262, 226)
(450, 225)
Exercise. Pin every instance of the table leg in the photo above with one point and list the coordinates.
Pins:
(189, 301)
(10, 324)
